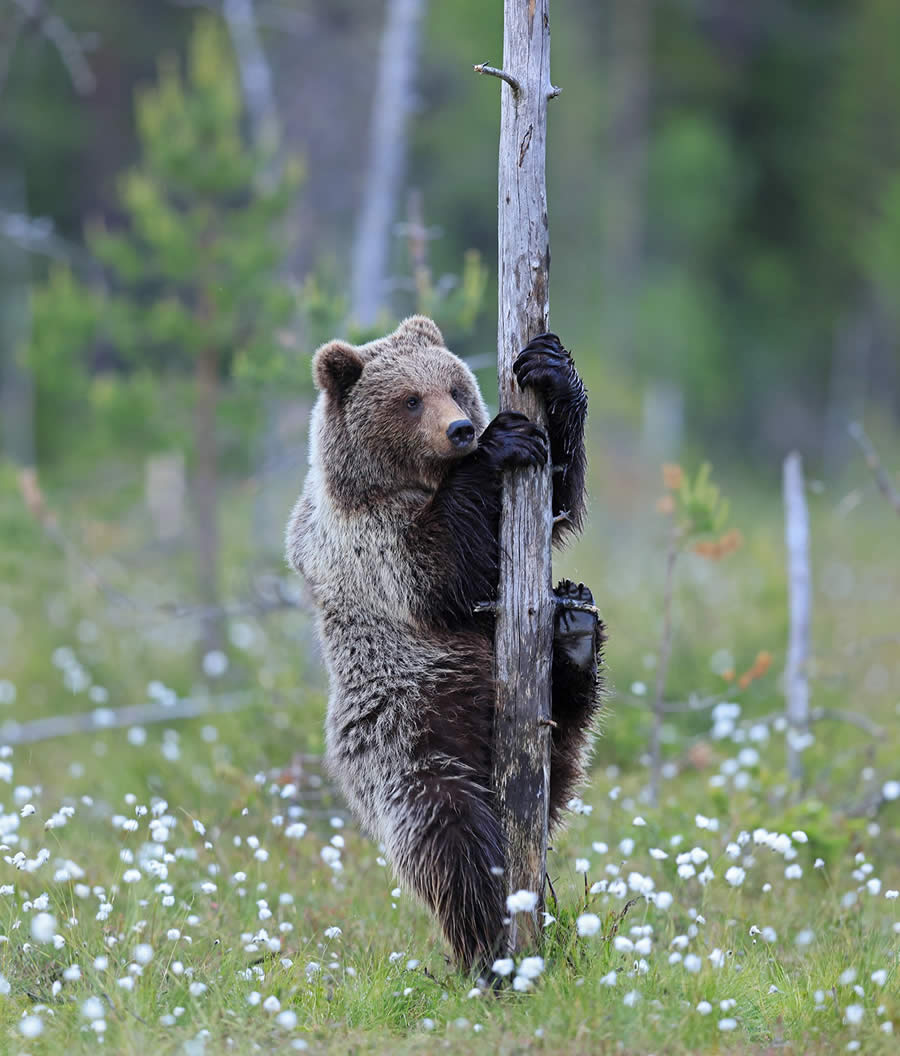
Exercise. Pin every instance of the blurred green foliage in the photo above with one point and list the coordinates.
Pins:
(193, 268)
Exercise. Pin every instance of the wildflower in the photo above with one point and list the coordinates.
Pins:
(639, 689)
(521, 901)
(333, 932)
(531, 967)
(196, 988)
(853, 1014)
(609, 979)
(582, 865)
(287, 1019)
(692, 963)
(31, 1026)
(793, 872)
(639, 822)
(891, 790)
(588, 924)
(295, 830)
(43, 927)
(272, 1004)
(143, 953)
(874, 885)
(847, 977)
(503, 966)
(658, 854)
(727, 1024)
(704, 1008)
(631, 998)
(879, 978)
(623, 944)
(92, 1008)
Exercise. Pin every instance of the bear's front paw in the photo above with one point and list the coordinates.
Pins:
(512, 440)
(544, 364)
(578, 634)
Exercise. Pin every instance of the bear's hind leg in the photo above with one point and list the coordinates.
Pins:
(577, 642)
(449, 852)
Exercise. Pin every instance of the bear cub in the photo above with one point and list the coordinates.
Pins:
(396, 533)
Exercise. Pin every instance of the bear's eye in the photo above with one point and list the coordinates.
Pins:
(412, 402)
(454, 395)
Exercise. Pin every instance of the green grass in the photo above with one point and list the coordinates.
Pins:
(383, 984)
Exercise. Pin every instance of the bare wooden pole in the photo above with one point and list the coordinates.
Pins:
(524, 634)
(796, 534)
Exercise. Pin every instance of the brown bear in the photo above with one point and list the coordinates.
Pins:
(396, 535)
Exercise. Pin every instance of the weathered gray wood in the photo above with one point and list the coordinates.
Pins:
(524, 634)
(796, 533)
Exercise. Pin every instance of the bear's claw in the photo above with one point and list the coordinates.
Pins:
(512, 440)
(577, 634)
(544, 364)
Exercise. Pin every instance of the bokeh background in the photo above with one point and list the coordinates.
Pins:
(194, 195)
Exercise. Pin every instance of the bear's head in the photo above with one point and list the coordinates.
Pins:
(397, 412)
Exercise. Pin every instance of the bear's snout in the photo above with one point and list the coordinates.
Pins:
(461, 433)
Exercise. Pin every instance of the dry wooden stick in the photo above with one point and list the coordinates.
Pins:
(885, 485)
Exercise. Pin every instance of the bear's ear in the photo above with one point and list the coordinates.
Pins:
(422, 330)
(336, 369)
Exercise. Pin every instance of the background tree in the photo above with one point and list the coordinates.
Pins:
(192, 274)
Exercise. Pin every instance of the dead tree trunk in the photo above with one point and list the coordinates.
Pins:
(206, 499)
(524, 634)
(796, 533)
(387, 155)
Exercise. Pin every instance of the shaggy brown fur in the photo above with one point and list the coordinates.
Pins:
(396, 536)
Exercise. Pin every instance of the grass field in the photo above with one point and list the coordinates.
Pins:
(193, 886)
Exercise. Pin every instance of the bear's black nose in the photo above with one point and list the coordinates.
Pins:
(461, 432)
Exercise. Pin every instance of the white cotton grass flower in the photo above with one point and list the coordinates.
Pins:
(735, 875)
(43, 927)
(609, 979)
(582, 865)
(704, 1008)
(521, 983)
(143, 953)
(853, 1014)
(588, 924)
(631, 998)
(879, 978)
(93, 1008)
(692, 963)
(891, 790)
(658, 854)
(847, 977)
(287, 1019)
(727, 1024)
(531, 967)
(521, 901)
(503, 966)
(31, 1026)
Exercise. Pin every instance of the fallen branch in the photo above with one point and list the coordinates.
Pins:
(885, 485)
(13, 733)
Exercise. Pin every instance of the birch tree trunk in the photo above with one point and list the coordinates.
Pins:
(796, 686)
(524, 630)
(387, 156)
